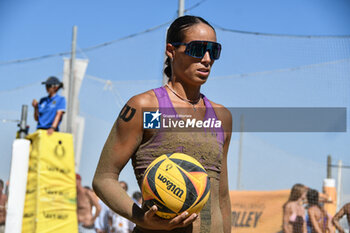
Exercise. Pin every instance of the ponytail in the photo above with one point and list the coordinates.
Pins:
(167, 69)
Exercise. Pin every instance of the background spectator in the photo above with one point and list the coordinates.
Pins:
(319, 221)
(50, 109)
(119, 224)
(294, 211)
(86, 200)
(3, 201)
(345, 210)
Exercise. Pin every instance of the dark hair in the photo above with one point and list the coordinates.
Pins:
(312, 197)
(295, 193)
(137, 195)
(53, 81)
(1, 183)
(176, 33)
(60, 86)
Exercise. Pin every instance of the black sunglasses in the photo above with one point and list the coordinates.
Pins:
(51, 85)
(198, 48)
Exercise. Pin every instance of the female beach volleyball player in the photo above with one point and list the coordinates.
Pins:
(319, 221)
(294, 211)
(191, 49)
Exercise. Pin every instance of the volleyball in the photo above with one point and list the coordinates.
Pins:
(175, 183)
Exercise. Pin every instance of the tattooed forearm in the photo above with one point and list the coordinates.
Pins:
(127, 113)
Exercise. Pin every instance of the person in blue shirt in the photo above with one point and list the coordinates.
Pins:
(49, 110)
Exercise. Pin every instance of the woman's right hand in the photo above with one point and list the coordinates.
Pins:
(35, 103)
(152, 221)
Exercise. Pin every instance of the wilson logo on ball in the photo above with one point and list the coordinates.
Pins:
(171, 186)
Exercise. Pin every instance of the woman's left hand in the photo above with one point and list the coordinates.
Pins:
(50, 131)
(153, 222)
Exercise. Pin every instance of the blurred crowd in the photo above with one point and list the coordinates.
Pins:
(95, 216)
(304, 212)
(3, 202)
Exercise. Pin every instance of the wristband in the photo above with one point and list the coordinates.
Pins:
(53, 128)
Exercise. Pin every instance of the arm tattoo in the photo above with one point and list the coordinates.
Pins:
(125, 111)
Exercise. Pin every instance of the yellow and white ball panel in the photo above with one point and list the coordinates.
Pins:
(157, 160)
(168, 184)
(203, 198)
(149, 189)
(201, 180)
(179, 157)
(154, 194)
(175, 183)
(193, 169)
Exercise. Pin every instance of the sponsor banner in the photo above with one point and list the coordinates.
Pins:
(51, 191)
(29, 212)
(257, 211)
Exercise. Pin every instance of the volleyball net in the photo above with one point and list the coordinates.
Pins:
(254, 71)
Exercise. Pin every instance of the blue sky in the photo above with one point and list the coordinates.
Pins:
(253, 71)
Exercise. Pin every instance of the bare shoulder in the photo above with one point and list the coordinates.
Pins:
(90, 193)
(224, 115)
(312, 210)
(132, 110)
(288, 209)
(288, 205)
(145, 99)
